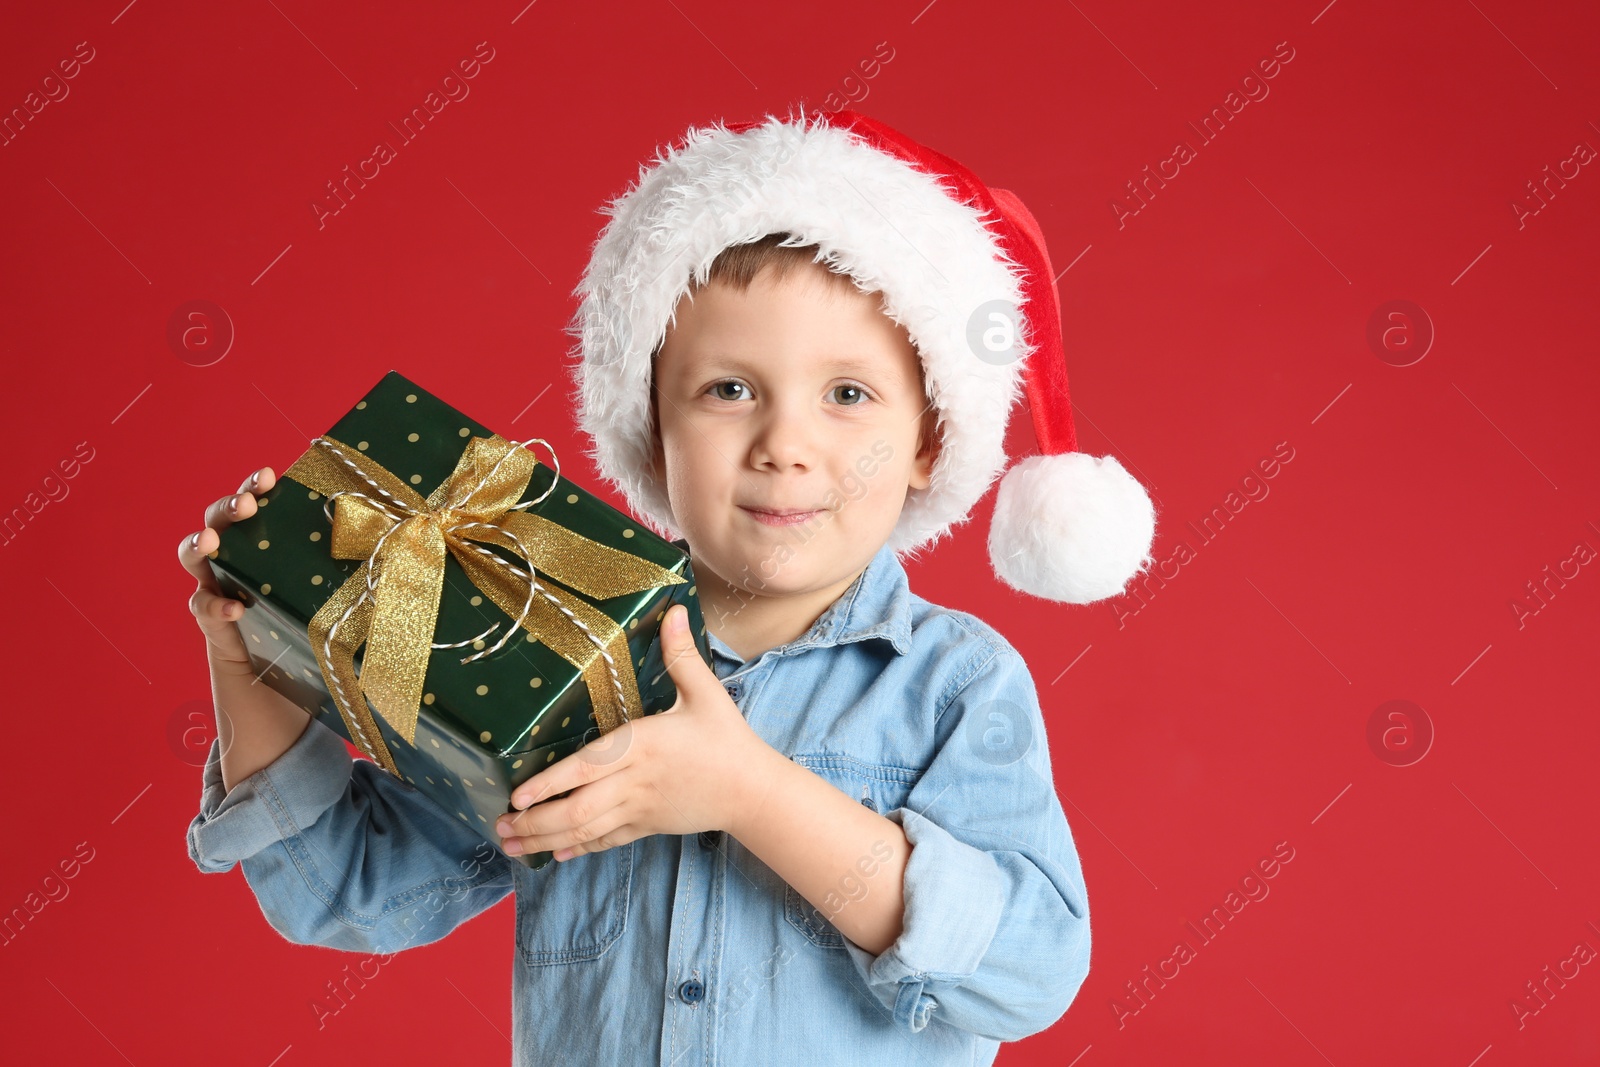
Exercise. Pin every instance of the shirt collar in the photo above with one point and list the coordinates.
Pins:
(877, 604)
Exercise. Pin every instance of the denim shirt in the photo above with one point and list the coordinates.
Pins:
(689, 949)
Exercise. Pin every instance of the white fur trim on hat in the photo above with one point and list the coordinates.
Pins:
(890, 226)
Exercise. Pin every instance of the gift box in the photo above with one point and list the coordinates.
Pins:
(408, 526)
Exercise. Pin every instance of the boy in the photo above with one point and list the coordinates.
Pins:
(843, 843)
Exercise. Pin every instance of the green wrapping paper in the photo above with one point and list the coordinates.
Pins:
(484, 727)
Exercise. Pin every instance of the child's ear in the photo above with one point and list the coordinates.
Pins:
(928, 447)
(658, 462)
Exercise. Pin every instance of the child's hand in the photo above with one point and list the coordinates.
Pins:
(216, 614)
(684, 770)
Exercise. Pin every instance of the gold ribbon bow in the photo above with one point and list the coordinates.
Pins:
(391, 602)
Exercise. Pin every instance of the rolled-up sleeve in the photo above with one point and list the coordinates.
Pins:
(278, 801)
(995, 935)
(342, 854)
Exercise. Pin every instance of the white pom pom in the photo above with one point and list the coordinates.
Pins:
(1070, 527)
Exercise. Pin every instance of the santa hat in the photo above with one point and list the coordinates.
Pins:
(962, 267)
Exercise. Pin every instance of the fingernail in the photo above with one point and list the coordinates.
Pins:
(233, 505)
(194, 542)
(512, 847)
(256, 477)
(680, 619)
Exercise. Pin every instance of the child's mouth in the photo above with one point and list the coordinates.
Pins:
(771, 518)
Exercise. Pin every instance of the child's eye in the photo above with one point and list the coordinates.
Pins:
(721, 385)
(848, 395)
(860, 394)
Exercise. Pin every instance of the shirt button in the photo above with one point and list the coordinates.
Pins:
(692, 990)
(710, 838)
(733, 690)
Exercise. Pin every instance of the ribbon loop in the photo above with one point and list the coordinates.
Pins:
(391, 602)
(357, 527)
(489, 479)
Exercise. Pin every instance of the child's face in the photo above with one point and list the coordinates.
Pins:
(793, 394)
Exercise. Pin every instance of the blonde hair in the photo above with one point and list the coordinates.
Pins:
(740, 265)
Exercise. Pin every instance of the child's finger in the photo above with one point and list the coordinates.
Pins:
(219, 516)
(596, 835)
(620, 836)
(259, 481)
(192, 553)
(215, 613)
(566, 775)
(691, 674)
(230, 509)
(214, 610)
(217, 616)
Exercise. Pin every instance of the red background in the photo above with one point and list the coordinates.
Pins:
(1228, 714)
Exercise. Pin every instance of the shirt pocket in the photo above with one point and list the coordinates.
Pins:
(879, 786)
(576, 909)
